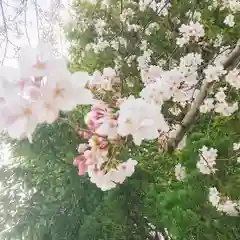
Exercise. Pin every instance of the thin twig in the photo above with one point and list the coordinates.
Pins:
(37, 18)
(25, 24)
(191, 115)
(6, 32)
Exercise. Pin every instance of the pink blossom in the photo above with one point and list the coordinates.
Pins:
(80, 162)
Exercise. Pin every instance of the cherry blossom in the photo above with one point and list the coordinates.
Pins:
(233, 78)
(229, 207)
(229, 20)
(38, 61)
(180, 172)
(127, 168)
(80, 162)
(108, 128)
(236, 146)
(213, 73)
(224, 205)
(193, 31)
(144, 123)
(214, 196)
(11, 83)
(42, 87)
(104, 80)
(226, 109)
(109, 180)
(207, 106)
(65, 91)
(21, 120)
(207, 160)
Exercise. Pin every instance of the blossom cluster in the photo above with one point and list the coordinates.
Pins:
(93, 159)
(106, 127)
(176, 84)
(35, 92)
(104, 170)
(207, 160)
(105, 80)
(180, 172)
(223, 204)
(193, 31)
(206, 165)
(160, 7)
(219, 104)
(232, 6)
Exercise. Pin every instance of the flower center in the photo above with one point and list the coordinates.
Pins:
(39, 65)
(128, 121)
(27, 112)
(58, 92)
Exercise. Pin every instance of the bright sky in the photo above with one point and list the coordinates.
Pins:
(45, 5)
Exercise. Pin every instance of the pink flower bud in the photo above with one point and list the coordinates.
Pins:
(82, 169)
(80, 133)
(77, 160)
(21, 83)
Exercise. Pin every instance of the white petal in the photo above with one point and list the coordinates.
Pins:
(80, 79)
(137, 139)
(83, 96)
(10, 74)
(17, 128)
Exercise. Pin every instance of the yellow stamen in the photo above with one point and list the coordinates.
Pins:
(129, 121)
(27, 112)
(39, 65)
(58, 92)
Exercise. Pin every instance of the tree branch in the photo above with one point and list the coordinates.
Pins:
(6, 32)
(192, 113)
(25, 24)
(37, 18)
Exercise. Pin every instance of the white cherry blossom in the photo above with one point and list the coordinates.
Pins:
(207, 160)
(226, 109)
(109, 180)
(66, 90)
(214, 196)
(108, 128)
(207, 105)
(22, 118)
(213, 73)
(127, 168)
(229, 207)
(180, 172)
(144, 123)
(233, 78)
(39, 61)
(220, 96)
(236, 146)
(193, 31)
(229, 20)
